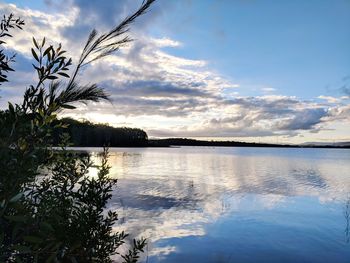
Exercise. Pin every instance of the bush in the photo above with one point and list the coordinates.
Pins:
(51, 210)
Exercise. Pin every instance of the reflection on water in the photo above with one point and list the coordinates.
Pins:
(198, 204)
(347, 220)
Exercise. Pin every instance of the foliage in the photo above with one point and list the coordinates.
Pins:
(7, 23)
(51, 209)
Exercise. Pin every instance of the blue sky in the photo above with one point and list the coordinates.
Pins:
(246, 57)
(297, 47)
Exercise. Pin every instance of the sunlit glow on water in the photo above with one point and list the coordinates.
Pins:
(202, 204)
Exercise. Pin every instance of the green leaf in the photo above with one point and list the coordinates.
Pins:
(63, 74)
(43, 42)
(35, 43)
(35, 55)
(6, 35)
(47, 50)
(66, 106)
(37, 68)
(11, 108)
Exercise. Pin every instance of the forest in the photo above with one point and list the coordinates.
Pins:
(87, 134)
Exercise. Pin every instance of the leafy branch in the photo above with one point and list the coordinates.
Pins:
(107, 43)
(6, 24)
(51, 61)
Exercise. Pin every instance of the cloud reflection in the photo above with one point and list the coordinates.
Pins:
(176, 193)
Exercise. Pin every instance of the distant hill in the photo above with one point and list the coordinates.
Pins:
(87, 134)
(342, 144)
(192, 142)
(334, 144)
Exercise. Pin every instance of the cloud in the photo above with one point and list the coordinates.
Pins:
(156, 88)
(305, 119)
(340, 113)
(37, 24)
(268, 89)
(166, 42)
(257, 116)
(166, 94)
(333, 100)
(101, 16)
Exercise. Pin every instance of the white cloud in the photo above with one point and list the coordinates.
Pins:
(166, 94)
(166, 42)
(268, 89)
(331, 99)
(37, 24)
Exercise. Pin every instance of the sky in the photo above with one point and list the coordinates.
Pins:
(247, 70)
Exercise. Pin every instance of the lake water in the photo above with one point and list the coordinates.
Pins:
(206, 204)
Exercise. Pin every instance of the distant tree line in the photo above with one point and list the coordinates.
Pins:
(192, 142)
(87, 134)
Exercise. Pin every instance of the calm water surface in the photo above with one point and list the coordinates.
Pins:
(204, 204)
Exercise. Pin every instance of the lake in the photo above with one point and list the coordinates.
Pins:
(213, 204)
